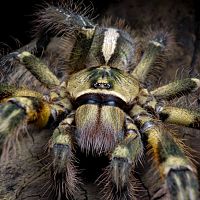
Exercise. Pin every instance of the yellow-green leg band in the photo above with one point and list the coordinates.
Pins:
(180, 116)
(38, 69)
(176, 89)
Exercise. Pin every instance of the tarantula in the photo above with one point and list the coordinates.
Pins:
(99, 102)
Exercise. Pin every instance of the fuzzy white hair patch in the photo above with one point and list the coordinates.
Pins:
(110, 42)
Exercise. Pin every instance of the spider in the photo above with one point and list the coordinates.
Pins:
(96, 98)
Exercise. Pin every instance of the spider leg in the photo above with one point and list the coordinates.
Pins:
(58, 102)
(28, 106)
(64, 23)
(22, 106)
(171, 114)
(7, 91)
(179, 116)
(18, 111)
(44, 75)
(38, 69)
(120, 182)
(63, 170)
(155, 47)
(176, 89)
(174, 167)
(34, 65)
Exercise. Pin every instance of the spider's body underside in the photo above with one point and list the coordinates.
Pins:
(100, 103)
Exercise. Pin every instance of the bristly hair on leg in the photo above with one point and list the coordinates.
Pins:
(59, 31)
(156, 48)
(109, 190)
(11, 115)
(64, 182)
(12, 143)
(167, 39)
(60, 19)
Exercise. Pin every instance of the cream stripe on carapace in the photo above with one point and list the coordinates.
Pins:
(109, 43)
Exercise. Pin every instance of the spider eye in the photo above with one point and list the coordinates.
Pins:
(102, 85)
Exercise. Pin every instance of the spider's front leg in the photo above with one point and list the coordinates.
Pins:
(20, 105)
(19, 111)
(65, 183)
(174, 166)
(120, 181)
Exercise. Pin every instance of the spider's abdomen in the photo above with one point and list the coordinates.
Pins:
(112, 47)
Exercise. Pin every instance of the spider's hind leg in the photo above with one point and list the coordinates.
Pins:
(120, 181)
(157, 45)
(76, 32)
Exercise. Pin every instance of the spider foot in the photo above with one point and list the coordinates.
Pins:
(182, 184)
(63, 173)
(120, 172)
(11, 116)
(61, 154)
(119, 183)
